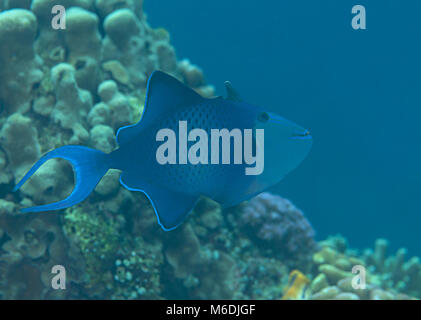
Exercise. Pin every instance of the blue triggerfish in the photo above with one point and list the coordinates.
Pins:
(175, 172)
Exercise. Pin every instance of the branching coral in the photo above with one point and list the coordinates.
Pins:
(394, 272)
(386, 278)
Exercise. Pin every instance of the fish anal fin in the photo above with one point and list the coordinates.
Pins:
(164, 94)
(171, 208)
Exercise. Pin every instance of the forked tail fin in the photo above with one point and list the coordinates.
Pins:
(89, 166)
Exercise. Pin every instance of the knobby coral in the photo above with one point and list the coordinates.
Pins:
(76, 86)
(281, 227)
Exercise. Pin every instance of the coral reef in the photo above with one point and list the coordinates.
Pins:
(78, 86)
(72, 103)
(222, 242)
(204, 272)
(30, 247)
(394, 272)
(387, 278)
(279, 227)
(21, 65)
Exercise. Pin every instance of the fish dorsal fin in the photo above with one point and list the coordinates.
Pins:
(164, 94)
(232, 94)
(171, 208)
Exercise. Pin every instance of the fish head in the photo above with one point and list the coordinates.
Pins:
(286, 144)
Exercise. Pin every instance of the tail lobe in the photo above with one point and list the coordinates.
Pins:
(89, 165)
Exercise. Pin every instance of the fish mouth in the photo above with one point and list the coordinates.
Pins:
(302, 135)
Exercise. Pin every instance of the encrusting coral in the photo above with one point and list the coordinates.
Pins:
(78, 86)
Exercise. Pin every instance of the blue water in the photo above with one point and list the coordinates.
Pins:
(359, 92)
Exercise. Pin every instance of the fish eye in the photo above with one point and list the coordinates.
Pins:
(263, 117)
